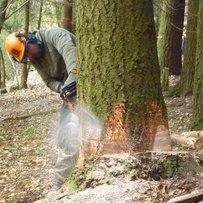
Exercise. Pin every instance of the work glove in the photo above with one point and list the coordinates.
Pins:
(68, 92)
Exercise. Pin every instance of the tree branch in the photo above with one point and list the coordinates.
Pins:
(17, 9)
(7, 7)
(192, 197)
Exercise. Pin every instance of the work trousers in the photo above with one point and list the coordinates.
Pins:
(67, 140)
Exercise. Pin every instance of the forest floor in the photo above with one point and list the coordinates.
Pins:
(28, 120)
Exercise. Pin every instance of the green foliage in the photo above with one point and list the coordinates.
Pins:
(16, 21)
(51, 16)
(9, 69)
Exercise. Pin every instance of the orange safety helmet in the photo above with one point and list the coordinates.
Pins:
(15, 46)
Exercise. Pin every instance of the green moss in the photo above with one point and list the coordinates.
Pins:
(170, 165)
(72, 185)
(174, 165)
(191, 165)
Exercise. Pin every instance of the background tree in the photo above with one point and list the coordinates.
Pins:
(3, 5)
(188, 70)
(119, 75)
(40, 14)
(67, 15)
(157, 13)
(197, 119)
(24, 73)
(14, 20)
(170, 35)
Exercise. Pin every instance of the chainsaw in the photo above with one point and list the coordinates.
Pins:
(68, 94)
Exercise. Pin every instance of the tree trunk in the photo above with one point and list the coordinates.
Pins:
(67, 15)
(170, 35)
(157, 4)
(24, 73)
(3, 5)
(188, 71)
(197, 119)
(119, 75)
(40, 14)
(3, 72)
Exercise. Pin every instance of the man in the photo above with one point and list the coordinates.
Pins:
(53, 53)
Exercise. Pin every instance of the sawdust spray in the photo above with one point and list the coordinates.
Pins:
(78, 131)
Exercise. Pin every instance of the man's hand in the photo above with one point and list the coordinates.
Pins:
(69, 92)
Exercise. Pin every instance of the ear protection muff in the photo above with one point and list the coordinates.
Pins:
(29, 38)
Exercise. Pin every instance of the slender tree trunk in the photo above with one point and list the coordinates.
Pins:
(24, 73)
(40, 14)
(170, 35)
(3, 5)
(157, 4)
(188, 70)
(67, 15)
(3, 69)
(119, 75)
(197, 119)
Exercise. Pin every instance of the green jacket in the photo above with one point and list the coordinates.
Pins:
(59, 56)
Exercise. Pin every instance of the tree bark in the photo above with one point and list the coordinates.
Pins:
(119, 75)
(3, 69)
(67, 15)
(3, 5)
(24, 73)
(188, 70)
(170, 35)
(40, 14)
(197, 118)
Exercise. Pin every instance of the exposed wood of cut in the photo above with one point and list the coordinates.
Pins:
(191, 142)
(193, 134)
(189, 198)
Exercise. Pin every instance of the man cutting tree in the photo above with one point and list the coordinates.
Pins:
(53, 53)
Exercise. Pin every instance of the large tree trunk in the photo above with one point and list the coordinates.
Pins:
(67, 15)
(170, 35)
(188, 70)
(197, 119)
(24, 73)
(119, 76)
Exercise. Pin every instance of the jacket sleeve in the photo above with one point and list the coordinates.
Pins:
(62, 40)
(50, 82)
